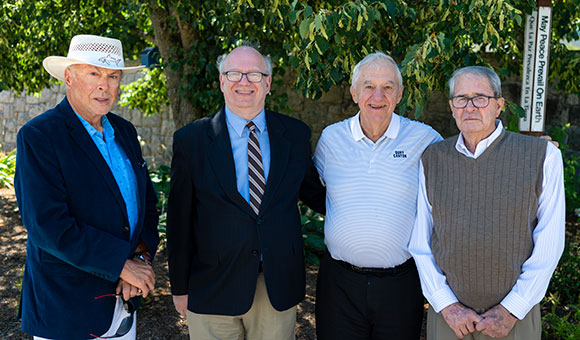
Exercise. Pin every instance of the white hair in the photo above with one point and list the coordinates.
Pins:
(376, 58)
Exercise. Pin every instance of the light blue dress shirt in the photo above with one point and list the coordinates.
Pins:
(119, 164)
(239, 135)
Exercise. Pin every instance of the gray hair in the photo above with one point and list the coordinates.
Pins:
(375, 58)
(482, 71)
(221, 60)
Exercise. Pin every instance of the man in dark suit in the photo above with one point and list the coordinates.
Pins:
(233, 231)
(87, 203)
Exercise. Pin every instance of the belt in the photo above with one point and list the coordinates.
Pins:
(368, 270)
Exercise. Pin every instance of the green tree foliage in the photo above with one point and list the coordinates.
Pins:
(320, 39)
(430, 39)
(33, 30)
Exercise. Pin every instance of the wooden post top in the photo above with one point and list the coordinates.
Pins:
(544, 3)
(532, 133)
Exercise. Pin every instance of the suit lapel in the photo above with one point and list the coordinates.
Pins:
(136, 163)
(79, 134)
(222, 159)
(279, 154)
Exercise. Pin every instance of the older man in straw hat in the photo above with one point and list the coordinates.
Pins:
(87, 203)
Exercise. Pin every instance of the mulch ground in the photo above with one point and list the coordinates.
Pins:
(157, 319)
(13, 251)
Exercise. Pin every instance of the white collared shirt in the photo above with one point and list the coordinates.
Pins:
(371, 189)
(548, 238)
(482, 145)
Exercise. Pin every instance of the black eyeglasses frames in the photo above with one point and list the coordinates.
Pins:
(252, 77)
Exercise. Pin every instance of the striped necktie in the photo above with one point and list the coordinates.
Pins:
(256, 177)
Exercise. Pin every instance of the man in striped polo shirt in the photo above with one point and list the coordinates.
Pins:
(368, 286)
(490, 220)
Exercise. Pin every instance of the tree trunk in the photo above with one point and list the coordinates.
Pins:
(172, 40)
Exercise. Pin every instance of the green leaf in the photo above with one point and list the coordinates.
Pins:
(518, 19)
(359, 22)
(314, 241)
(322, 44)
(311, 31)
(307, 61)
(307, 11)
(392, 8)
(304, 28)
(312, 258)
(294, 15)
(516, 109)
(323, 32)
(317, 22)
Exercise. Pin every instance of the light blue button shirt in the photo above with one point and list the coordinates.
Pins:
(239, 135)
(119, 164)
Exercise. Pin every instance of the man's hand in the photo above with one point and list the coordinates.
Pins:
(548, 138)
(460, 319)
(180, 302)
(127, 290)
(497, 322)
(138, 274)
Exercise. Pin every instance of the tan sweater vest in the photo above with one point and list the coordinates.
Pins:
(484, 214)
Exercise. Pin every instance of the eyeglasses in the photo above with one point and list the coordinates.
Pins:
(126, 323)
(253, 77)
(479, 102)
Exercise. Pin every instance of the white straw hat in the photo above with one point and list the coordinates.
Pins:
(91, 50)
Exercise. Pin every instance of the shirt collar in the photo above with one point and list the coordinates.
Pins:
(483, 144)
(239, 124)
(108, 131)
(392, 131)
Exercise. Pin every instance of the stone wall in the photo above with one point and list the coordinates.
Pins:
(333, 106)
(156, 131)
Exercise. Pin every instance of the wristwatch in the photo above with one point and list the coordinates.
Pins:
(143, 256)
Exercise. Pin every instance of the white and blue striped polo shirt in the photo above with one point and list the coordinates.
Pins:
(371, 199)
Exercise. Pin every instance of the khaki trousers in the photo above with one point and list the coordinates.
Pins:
(261, 322)
(530, 328)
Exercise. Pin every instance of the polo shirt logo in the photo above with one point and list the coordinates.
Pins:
(399, 154)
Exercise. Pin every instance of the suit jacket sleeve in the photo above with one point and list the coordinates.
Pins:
(312, 192)
(181, 214)
(44, 201)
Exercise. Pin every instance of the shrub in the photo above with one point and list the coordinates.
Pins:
(161, 182)
(561, 322)
(312, 233)
(7, 168)
(565, 283)
(571, 168)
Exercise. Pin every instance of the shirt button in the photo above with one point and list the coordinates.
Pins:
(126, 229)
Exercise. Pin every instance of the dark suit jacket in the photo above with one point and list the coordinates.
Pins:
(78, 230)
(215, 240)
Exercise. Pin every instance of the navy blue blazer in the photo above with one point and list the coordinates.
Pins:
(77, 224)
(214, 238)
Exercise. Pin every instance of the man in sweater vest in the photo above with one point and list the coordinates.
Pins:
(490, 220)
